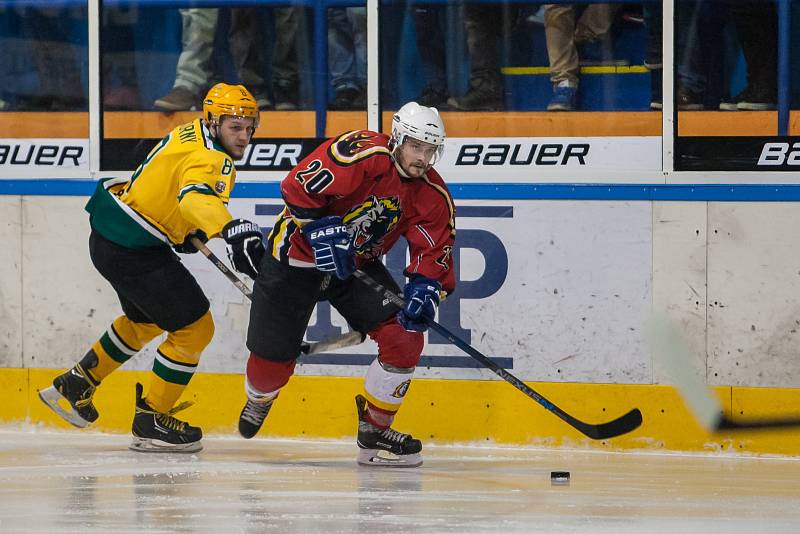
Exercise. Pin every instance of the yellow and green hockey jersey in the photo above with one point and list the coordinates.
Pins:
(183, 184)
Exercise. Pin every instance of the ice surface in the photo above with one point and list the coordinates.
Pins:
(81, 481)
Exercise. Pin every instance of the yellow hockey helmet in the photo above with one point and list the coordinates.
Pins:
(234, 100)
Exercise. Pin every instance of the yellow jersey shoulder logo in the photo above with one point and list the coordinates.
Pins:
(220, 186)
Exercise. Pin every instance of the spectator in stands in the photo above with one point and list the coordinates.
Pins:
(564, 34)
(55, 59)
(193, 73)
(429, 25)
(757, 32)
(347, 57)
(483, 25)
(120, 82)
(693, 51)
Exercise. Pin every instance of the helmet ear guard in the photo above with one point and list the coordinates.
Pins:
(233, 100)
(421, 123)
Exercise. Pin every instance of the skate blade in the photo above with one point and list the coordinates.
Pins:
(52, 398)
(381, 458)
(154, 445)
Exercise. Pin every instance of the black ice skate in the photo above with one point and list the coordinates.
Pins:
(76, 387)
(384, 448)
(253, 415)
(161, 432)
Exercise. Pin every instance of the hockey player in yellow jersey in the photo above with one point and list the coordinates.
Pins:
(180, 191)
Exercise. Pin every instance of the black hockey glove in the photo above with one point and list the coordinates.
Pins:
(333, 250)
(187, 247)
(422, 299)
(245, 246)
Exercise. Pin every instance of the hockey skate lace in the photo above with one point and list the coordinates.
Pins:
(167, 420)
(393, 435)
(86, 396)
(254, 412)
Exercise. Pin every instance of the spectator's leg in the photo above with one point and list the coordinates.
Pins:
(192, 72)
(595, 22)
(482, 25)
(559, 29)
(60, 86)
(247, 49)
(757, 31)
(199, 26)
(653, 58)
(690, 56)
(342, 60)
(285, 60)
(120, 82)
(430, 44)
(357, 16)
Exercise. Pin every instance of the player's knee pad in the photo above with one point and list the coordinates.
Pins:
(265, 376)
(397, 346)
(134, 335)
(188, 342)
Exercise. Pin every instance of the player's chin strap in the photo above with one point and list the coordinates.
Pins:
(622, 425)
(338, 342)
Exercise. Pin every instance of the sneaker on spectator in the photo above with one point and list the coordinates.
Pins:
(750, 99)
(536, 17)
(564, 97)
(686, 100)
(656, 96)
(285, 96)
(262, 101)
(433, 97)
(349, 98)
(179, 99)
(481, 96)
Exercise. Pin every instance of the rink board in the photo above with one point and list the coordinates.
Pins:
(439, 411)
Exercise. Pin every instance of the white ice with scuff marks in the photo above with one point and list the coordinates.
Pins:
(79, 481)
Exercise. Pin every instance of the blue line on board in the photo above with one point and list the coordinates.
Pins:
(647, 192)
(460, 362)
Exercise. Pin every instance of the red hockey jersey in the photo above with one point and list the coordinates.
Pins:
(355, 177)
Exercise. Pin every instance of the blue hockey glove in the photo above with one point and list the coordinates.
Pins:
(422, 299)
(245, 246)
(187, 247)
(333, 250)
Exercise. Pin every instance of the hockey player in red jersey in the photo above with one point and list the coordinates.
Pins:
(347, 204)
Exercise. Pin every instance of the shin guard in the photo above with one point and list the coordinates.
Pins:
(176, 361)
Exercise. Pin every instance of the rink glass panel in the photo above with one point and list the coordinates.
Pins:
(736, 85)
(44, 89)
(295, 57)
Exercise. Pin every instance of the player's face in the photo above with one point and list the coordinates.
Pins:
(415, 156)
(234, 134)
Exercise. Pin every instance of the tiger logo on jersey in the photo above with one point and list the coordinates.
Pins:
(370, 221)
(355, 146)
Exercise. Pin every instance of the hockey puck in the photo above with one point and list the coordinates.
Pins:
(559, 477)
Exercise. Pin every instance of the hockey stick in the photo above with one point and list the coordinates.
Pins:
(344, 340)
(672, 353)
(622, 425)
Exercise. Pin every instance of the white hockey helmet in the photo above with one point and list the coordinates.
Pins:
(421, 123)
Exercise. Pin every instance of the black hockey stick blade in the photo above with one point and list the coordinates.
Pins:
(622, 425)
(673, 355)
(757, 424)
(619, 426)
